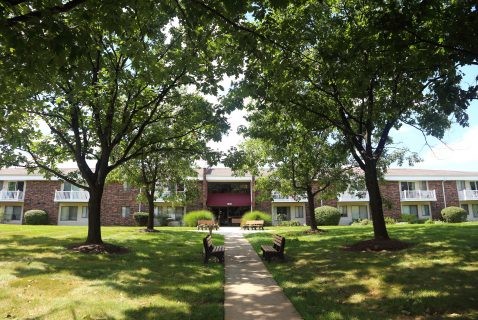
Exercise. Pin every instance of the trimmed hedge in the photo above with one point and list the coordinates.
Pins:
(191, 218)
(257, 215)
(327, 216)
(410, 218)
(454, 214)
(36, 217)
(141, 218)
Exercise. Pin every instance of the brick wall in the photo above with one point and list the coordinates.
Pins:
(40, 195)
(451, 196)
(114, 198)
(197, 204)
(390, 191)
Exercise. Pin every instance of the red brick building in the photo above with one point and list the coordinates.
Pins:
(419, 192)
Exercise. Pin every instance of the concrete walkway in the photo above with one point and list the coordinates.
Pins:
(250, 290)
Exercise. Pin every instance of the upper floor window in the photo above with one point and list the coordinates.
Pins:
(474, 185)
(413, 185)
(15, 185)
(70, 187)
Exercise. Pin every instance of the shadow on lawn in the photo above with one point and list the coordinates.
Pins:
(434, 278)
(168, 264)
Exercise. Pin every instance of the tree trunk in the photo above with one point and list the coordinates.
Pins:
(311, 209)
(379, 227)
(150, 197)
(94, 215)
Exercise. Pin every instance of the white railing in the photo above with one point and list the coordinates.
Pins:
(418, 195)
(72, 196)
(278, 197)
(166, 194)
(468, 195)
(352, 196)
(11, 195)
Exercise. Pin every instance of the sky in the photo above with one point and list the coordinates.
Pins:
(458, 149)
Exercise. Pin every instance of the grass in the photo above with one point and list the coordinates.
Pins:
(163, 277)
(435, 279)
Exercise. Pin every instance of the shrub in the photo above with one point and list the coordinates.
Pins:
(257, 215)
(429, 221)
(327, 216)
(292, 223)
(163, 219)
(390, 220)
(409, 218)
(362, 222)
(141, 218)
(191, 218)
(36, 217)
(454, 214)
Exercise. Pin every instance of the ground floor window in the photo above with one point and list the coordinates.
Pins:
(299, 212)
(359, 212)
(474, 210)
(283, 213)
(84, 212)
(175, 213)
(13, 213)
(410, 209)
(417, 210)
(343, 211)
(69, 213)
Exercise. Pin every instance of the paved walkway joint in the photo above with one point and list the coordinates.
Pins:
(250, 290)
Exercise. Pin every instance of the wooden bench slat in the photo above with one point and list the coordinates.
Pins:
(276, 250)
(211, 250)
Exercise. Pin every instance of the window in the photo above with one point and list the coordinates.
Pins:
(126, 186)
(474, 209)
(1, 185)
(69, 213)
(359, 212)
(70, 187)
(474, 185)
(411, 209)
(125, 212)
(407, 186)
(465, 207)
(283, 213)
(299, 212)
(15, 186)
(13, 213)
(426, 211)
(461, 185)
(84, 212)
(343, 211)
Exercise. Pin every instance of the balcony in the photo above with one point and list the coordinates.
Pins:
(418, 195)
(163, 197)
(72, 196)
(464, 195)
(354, 196)
(277, 197)
(11, 196)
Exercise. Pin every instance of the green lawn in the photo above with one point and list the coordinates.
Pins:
(163, 276)
(435, 279)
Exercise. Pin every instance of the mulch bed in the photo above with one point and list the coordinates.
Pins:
(310, 231)
(148, 230)
(378, 245)
(98, 248)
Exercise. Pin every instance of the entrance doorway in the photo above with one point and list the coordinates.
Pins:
(225, 214)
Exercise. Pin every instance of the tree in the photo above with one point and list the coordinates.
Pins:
(136, 66)
(300, 161)
(333, 61)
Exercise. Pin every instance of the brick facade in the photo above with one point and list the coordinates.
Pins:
(390, 191)
(40, 195)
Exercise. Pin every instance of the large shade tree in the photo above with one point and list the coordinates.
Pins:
(292, 159)
(126, 67)
(334, 61)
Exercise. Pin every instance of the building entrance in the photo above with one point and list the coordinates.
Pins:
(228, 216)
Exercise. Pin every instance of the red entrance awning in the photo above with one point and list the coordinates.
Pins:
(228, 200)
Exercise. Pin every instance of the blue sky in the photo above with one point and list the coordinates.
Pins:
(458, 150)
(459, 147)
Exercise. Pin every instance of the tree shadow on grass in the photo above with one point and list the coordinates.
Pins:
(432, 280)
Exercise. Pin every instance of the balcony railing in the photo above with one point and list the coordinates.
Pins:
(468, 195)
(11, 195)
(72, 196)
(353, 196)
(278, 197)
(418, 195)
(167, 194)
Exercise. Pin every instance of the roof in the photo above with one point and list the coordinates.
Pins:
(402, 174)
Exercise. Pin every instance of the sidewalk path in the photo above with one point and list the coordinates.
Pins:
(250, 290)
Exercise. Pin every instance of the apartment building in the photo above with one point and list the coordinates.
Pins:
(423, 193)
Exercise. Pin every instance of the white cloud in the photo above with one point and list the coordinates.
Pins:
(461, 154)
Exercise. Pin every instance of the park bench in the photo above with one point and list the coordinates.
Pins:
(206, 224)
(253, 224)
(276, 250)
(211, 250)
